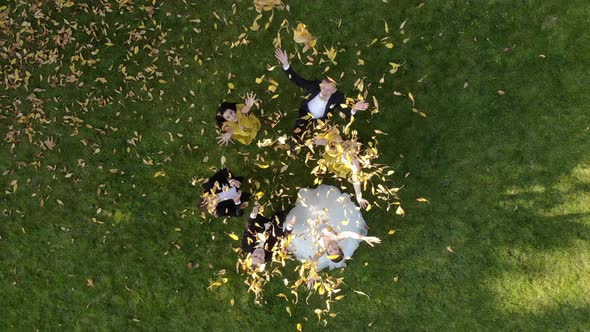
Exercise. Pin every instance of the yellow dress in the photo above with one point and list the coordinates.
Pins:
(337, 160)
(333, 159)
(246, 128)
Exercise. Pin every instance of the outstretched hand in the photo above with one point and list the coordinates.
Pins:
(360, 106)
(282, 56)
(250, 100)
(371, 239)
(224, 139)
(363, 203)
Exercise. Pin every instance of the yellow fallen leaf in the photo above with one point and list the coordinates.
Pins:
(389, 45)
(403, 24)
(394, 67)
(361, 293)
(231, 86)
(159, 173)
(214, 284)
(233, 236)
(400, 211)
(422, 200)
(319, 313)
(391, 232)
(331, 54)
(302, 36)
(411, 98)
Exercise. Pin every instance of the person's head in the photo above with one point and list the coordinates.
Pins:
(327, 87)
(334, 252)
(226, 113)
(257, 257)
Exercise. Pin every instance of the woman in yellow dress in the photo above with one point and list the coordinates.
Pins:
(344, 159)
(236, 123)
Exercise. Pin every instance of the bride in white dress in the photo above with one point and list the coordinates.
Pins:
(329, 227)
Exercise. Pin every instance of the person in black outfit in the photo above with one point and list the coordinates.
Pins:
(260, 248)
(322, 98)
(223, 195)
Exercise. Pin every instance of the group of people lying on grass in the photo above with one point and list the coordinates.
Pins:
(325, 227)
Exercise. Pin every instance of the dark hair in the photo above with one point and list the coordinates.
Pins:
(337, 258)
(219, 115)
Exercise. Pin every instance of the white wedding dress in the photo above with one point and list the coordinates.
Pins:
(319, 208)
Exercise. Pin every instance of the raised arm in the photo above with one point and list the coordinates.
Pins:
(225, 138)
(283, 58)
(249, 102)
(356, 183)
(360, 105)
(352, 235)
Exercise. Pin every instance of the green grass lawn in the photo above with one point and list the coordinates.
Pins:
(91, 240)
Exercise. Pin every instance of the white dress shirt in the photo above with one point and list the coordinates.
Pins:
(226, 194)
(317, 106)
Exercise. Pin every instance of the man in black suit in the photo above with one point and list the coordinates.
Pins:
(261, 235)
(323, 98)
(224, 191)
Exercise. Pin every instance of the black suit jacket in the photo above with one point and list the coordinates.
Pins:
(214, 185)
(313, 88)
(273, 234)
